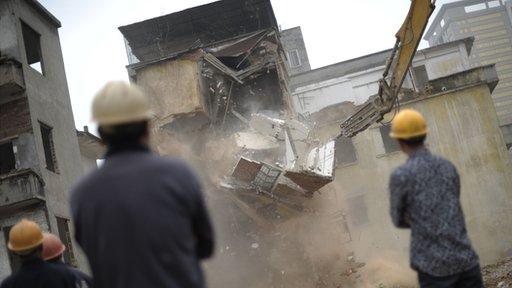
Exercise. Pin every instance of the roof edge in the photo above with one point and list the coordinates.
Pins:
(44, 12)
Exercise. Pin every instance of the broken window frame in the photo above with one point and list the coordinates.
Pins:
(14, 164)
(33, 48)
(266, 177)
(65, 236)
(294, 52)
(390, 145)
(49, 147)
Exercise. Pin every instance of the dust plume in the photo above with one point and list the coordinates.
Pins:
(302, 252)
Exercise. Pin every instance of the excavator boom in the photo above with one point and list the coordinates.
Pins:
(407, 40)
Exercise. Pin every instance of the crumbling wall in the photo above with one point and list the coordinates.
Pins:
(174, 87)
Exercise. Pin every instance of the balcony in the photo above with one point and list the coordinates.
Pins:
(11, 79)
(20, 189)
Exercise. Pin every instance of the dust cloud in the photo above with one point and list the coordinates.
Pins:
(309, 250)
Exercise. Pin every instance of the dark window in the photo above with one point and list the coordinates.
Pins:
(390, 144)
(32, 41)
(14, 260)
(49, 147)
(420, 77)
(65, 237)
(345, 151)
(358, 211)
(7, 158)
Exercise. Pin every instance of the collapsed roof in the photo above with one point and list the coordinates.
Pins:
(197, 27)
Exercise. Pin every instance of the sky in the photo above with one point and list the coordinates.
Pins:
(334, 30)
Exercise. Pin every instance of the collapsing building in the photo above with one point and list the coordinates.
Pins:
(213, 77)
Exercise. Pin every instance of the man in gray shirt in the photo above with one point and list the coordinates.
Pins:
(424, 197)
(140, 218)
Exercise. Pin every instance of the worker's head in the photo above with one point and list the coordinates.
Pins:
(409, 128)
(122, 112)
(52, 248)
(26, 239)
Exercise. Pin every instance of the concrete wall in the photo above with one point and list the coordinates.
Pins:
(292, 39)
(8, 30)
(49, 103)
(463, 127)
(359, 85)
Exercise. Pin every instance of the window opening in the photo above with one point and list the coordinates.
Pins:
(293, 58)
(49, 147)
(475, 8)
(32, 41)
(7, 157)
(420, 77)
(493, 4)
(390, 144)
(65, 237)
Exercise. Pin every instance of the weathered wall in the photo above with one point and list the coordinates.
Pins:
(49, 103)
(8, 27)
(14, 118)
(173, 86)
(463, 127)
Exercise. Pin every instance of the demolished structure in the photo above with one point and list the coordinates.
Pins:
(217, 72)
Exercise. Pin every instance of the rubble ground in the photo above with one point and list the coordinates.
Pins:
(498, 274)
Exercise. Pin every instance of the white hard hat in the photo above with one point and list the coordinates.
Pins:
(119, 103)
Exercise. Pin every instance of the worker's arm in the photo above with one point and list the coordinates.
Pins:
(398, 199)
(201, 223)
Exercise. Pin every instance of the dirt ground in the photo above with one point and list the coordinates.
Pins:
(499, 274)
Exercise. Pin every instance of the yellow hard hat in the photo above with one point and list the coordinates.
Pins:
(408, 124)
(25, 236)
(119, 103)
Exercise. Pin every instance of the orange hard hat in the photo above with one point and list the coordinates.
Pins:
(52, 246)
(24, 236)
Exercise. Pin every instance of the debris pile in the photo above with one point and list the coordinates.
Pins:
(499, 274)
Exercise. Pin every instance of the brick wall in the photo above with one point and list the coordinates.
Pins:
(14, 118)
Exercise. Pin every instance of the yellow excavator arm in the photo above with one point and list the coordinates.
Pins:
(407, 40)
